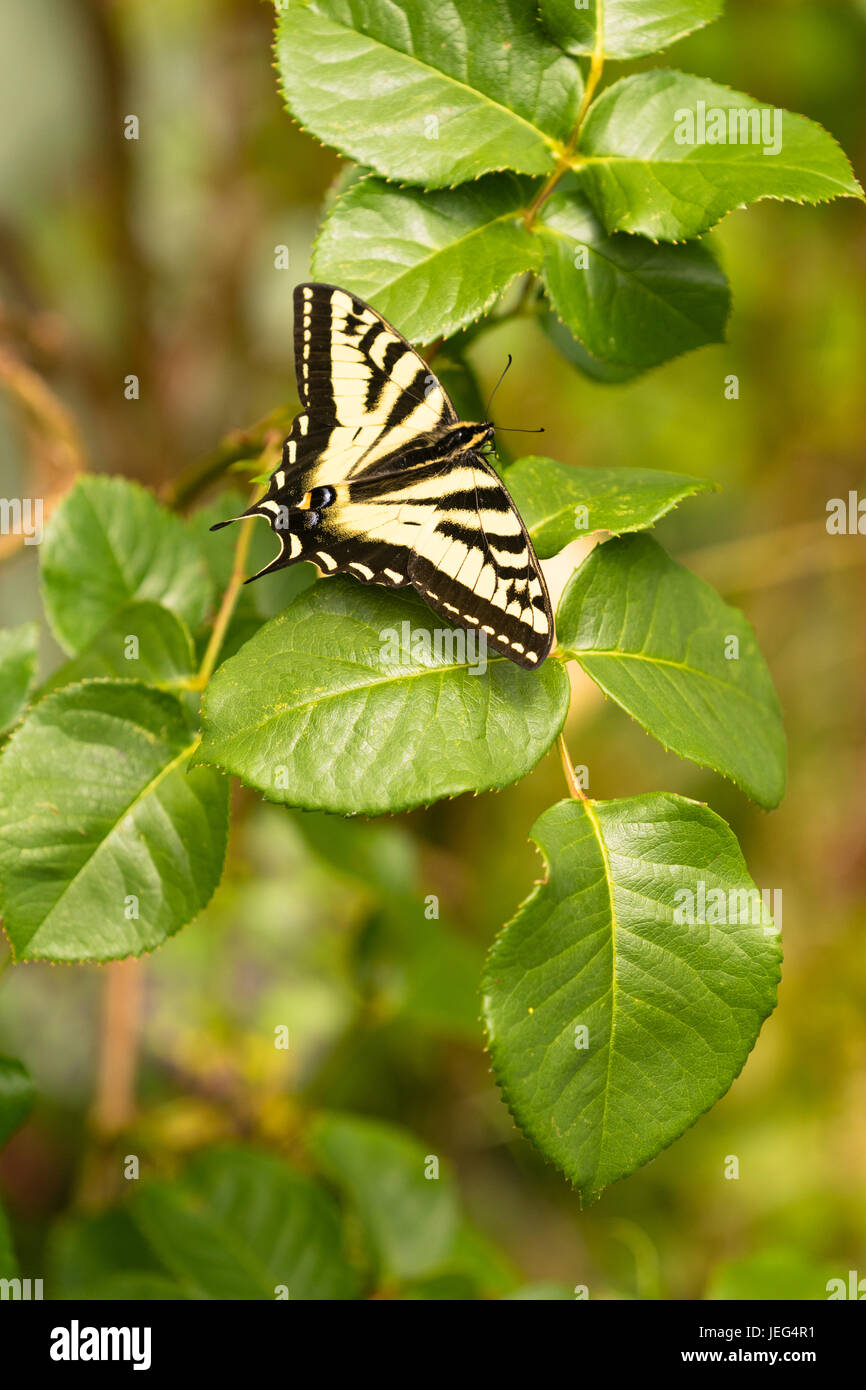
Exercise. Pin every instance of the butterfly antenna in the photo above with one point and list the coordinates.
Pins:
(496, 388)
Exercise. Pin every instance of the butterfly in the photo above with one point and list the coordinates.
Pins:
(381, 480)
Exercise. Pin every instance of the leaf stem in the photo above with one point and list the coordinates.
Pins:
(575, 790)
(566, 159)
(596, 66)
(233, 588)
(226, 608)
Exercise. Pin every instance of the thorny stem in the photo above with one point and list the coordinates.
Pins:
(575, 790)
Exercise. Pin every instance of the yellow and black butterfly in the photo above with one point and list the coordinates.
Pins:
(380, 479)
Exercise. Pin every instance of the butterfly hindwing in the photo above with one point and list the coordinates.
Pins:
(380, 480)
(476, 566)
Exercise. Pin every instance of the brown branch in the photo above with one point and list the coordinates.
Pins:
(52, 424)
(114, 1103)
(234, 448)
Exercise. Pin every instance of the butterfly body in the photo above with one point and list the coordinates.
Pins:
(379, 479)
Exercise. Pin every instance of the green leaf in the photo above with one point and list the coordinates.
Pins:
(574, 352)
(19, 649)
(318, 711)
(430, 262)
(241, 1224)
(671, 652)
(110, 541)
(410, 1220)
(632, 303)
(641, 178)
(613, 1023)
(625, 28)
(100, 820)
(548, 494)
(90, 1255)
(429, 95)
(161, 654)
(17, 1094)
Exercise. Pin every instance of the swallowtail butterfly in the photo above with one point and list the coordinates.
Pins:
(380, 479)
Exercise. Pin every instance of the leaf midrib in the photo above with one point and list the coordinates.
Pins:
(128, 810)
(355, 689)
(513, 214)
(589, 808)
(681, 666)
(552, 143)
(583, 160)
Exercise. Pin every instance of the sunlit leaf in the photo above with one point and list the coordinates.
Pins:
(646, 169)
(686, 665)
(615, 1021)
(559, 503)
(430, 262)
(327, 708)
(429, 94)
(624, 28)
(110, 541)
(108, 843)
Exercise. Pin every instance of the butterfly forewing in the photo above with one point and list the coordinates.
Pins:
(379, 480)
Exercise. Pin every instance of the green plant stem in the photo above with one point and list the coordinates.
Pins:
(226, 608)
(236, 581)
(596, 67)
(566, 160)
(575, 790)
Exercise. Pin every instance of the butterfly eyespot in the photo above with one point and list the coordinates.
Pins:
(309, 520)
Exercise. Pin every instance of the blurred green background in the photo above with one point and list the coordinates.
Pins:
(156, 257)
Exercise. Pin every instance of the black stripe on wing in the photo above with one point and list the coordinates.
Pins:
(335, 332)
(476, 566)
